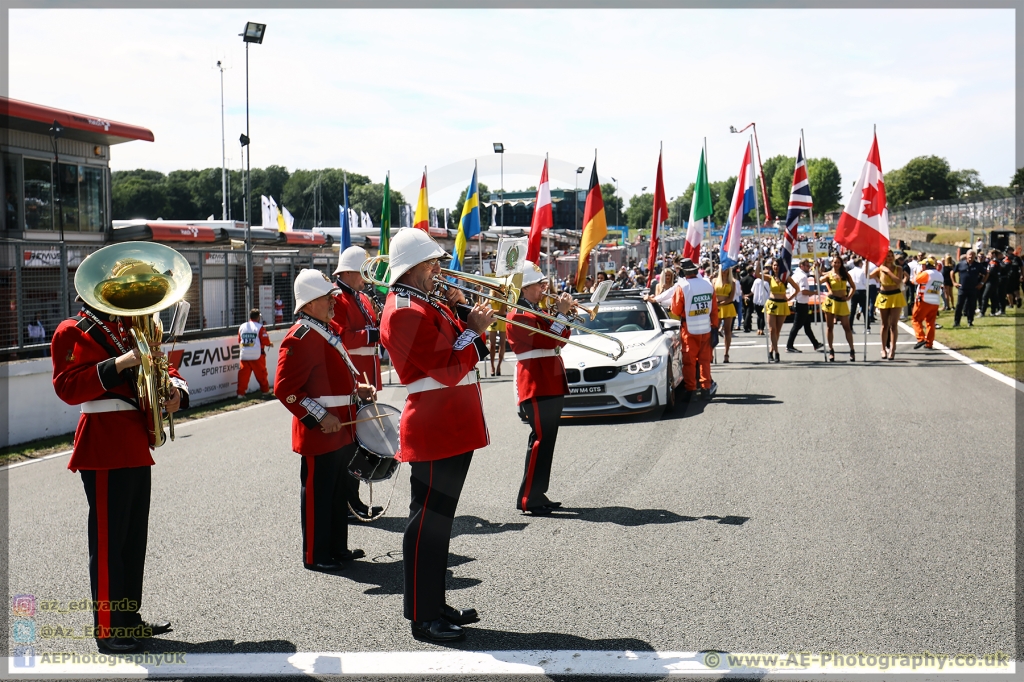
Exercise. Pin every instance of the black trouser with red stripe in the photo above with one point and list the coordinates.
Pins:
(322, 505)
(543, 413)
(118, 529)
(436, 488)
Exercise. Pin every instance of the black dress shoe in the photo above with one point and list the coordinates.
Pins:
(818, 347)
(919, 344)
(365, 512)
(157, 627)
(553, 505)
(709, 393)
(438, 630)
(459, 616)
(791, 349)
(117, 645)
(538, 511)
(350, 555)
(325, 567)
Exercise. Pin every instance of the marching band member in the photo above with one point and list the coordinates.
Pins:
(253, 342)
(93, 360)
(317, 382)
(697, 308)
(435, 354)
(929, 288)
(354, 316)
(355, 320)
(540, 386)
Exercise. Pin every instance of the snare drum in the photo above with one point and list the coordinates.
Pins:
(374, 460)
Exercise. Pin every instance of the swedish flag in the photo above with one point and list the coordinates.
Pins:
(469, 224)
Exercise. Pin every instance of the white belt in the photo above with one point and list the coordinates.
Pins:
(108, 405)
(334, 400)
(539, 353)
(365, 350)
(428, 384)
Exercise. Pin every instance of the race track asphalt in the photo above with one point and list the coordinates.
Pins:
(816, 506)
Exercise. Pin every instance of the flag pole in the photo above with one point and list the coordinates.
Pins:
(551, 256)
(704, 233)
(817, 271)
(760, 250)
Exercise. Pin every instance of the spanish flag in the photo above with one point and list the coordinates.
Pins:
(421, 218)
(595, 227)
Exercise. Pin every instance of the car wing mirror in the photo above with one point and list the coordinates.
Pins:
(670, 324)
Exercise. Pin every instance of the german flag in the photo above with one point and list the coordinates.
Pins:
(595, 227)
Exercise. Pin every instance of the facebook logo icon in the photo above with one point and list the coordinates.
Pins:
(23, 657)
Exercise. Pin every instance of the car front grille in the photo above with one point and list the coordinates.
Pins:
(600, 373)
(572, 376)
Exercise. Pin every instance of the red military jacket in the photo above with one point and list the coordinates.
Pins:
(427, 342)
(355, 321)
(537, 376)
(84, 353)
(308, 368)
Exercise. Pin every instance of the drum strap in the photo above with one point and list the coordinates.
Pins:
(333, 339)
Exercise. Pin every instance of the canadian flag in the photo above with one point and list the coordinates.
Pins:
(864, 226)
(542, 217)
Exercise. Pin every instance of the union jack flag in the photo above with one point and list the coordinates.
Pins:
(799, 201)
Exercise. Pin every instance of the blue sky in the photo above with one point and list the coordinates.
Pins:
(379, 90)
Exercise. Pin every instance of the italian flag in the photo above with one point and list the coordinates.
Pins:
(864, 226)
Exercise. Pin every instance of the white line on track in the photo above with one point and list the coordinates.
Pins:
(432, 663)
(1001, 378)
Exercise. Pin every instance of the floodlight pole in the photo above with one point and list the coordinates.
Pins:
(223, 151)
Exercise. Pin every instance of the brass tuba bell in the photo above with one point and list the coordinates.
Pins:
(138, 280)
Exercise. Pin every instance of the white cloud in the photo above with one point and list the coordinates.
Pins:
(379, 90)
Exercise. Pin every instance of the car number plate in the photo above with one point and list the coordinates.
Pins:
(585, 390)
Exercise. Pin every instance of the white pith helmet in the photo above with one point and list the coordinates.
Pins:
(531, 274)
(409, 248)
(309, 285)
(351, 259)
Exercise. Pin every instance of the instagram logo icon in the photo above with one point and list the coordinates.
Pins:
(23, 605)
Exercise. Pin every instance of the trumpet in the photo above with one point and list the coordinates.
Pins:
(503, 292)
(549, 301)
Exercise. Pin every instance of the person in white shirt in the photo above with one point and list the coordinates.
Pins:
(800, 281)
(860, 296)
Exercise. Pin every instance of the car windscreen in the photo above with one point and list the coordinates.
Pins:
(619, 316)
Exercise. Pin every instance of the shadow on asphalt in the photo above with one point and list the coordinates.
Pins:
(218, 646)
(627, 516)
(462, 525)
(386, 574)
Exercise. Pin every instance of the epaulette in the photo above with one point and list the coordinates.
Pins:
(85, 324)
(301, 331)
(401, 301)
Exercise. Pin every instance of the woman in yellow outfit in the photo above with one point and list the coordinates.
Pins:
(498, 337)
(840, 289)
(777, 307)
(725, 293)
(890, 302)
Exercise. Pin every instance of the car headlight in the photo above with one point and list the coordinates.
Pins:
(645, 365)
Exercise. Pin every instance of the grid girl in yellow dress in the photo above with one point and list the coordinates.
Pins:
(840, 287)
(890, 302)
(725, 293)
(776, 307)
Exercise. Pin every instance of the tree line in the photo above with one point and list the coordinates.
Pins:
(195, 194)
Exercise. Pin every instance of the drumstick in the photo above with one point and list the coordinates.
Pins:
(364, 419)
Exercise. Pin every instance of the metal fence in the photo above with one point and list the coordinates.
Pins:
(1004, 212)
(38, 280)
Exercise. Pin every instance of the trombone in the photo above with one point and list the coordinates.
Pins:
(502, 293)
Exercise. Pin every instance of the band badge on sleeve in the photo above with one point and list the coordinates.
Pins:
(290, 399)
(465, 339)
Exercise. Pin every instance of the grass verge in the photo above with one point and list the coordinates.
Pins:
(48, 446)
(992, 341)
